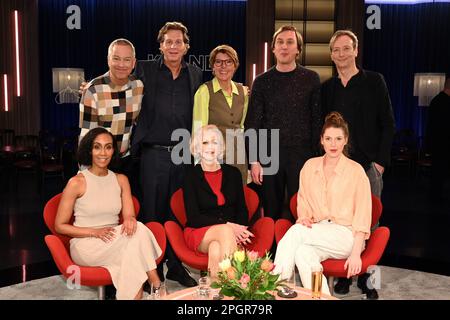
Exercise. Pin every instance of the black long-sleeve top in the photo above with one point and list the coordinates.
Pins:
(201, 203)
(290, 102)
(366, 106)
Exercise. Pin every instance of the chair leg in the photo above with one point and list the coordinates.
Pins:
(101, 292)
(331, 284)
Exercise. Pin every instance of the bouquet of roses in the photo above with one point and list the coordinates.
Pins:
(246, 276)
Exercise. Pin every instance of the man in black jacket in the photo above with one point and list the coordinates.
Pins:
(169, 88)
(362, 97)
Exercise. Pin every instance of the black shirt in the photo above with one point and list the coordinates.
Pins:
(173, 106)
(346, 100)
(366, 106)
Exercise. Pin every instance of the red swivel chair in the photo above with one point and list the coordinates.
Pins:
(60, 249)
(335, 267)
(263, 229)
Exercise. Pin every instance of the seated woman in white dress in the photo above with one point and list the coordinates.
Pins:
(334, 209)
(96, 196)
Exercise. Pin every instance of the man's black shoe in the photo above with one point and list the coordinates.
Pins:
(110, 292)
(180, 273)
(342, 286)
(371, 294)
(147, 287)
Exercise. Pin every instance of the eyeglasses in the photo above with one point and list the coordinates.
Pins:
(219, 63)
(177, 43)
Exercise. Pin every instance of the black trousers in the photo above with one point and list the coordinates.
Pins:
(130, 167)
(160, 178)
(274, 187)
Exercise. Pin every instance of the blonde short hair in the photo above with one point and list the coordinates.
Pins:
(121, 42)
(223, 49)
(341, 33)
(196, 141)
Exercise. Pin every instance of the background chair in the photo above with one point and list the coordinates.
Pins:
(60, 249)
(7, 137)
(335, 267)
(263, 229)
(26, 156)
(404, 151)
(51, 152)
(424, 159)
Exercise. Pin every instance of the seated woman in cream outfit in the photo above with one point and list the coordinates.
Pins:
(334, 210)
(96, 196)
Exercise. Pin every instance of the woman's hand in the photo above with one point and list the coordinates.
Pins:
(307, 222)
(129, 226)
(83, 87)
(241, 233)
(105, 234)
(353, 265)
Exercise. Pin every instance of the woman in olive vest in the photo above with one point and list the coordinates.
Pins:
(223, 102)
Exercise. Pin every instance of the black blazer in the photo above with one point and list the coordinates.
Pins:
(146, 70)
(374, 119)
(201, 202)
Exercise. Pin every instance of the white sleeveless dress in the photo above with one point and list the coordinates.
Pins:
(126, 258)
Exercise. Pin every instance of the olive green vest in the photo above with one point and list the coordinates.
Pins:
(224, 117)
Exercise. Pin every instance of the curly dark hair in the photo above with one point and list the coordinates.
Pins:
(84, 155)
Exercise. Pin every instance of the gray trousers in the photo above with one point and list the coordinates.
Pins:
(375, 179)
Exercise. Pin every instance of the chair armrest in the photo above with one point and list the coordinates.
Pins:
(175, 235)
(281, 227)
(59, 253)
(375, 247)
(263, 229)
(158, 231)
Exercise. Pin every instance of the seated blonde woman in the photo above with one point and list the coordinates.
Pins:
(334, 210)
(95, 197)
(217, 215)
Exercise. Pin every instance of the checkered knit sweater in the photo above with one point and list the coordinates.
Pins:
(115, 108)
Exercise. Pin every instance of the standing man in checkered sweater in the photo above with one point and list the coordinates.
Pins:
(113, 101)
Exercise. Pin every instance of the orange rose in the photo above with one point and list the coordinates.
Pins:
(267, 265)
(231, 273)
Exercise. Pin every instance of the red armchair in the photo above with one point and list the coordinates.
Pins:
(263, 229)
(335, 267)
(60, 249)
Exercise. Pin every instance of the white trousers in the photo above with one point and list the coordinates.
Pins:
(307, 247)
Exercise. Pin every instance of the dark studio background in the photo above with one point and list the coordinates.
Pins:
(412, 38)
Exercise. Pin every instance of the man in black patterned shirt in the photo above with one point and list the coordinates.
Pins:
(286, 98)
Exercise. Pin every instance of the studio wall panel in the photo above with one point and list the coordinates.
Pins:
(317, 54)
(312, 31)
(295, 9)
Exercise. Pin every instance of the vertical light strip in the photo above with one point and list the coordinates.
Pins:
(24, 273)
(265, 56)
(254, 72)
(16, 31)
(5, 87)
